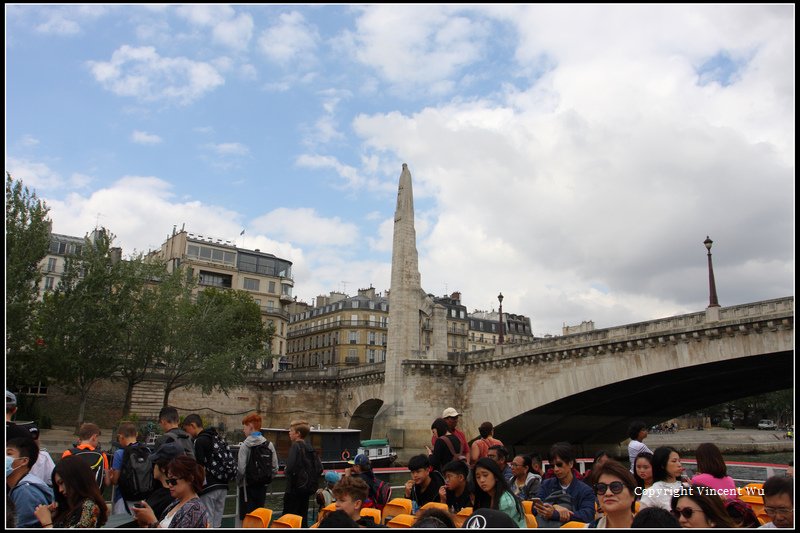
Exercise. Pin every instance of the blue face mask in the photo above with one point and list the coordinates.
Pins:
(9, 465)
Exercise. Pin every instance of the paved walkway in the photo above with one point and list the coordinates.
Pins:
(729, 441)
(59, 438)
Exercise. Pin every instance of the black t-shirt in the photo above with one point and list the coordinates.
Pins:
(441, 451)
(456, 503)
(431, 494)
(159, 500)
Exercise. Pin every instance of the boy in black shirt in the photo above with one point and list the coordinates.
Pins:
(455, 492)
(424, 485)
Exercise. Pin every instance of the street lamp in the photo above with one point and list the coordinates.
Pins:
(500, 297)
(712, 287)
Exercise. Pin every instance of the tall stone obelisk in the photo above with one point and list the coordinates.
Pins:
(405, 297)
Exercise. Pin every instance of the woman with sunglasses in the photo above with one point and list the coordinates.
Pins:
(185, 481)
(667, 471)
(492, 491)
(616, 493)
(698, 506)
(78, 501)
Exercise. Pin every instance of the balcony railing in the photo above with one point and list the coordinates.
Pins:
(337, 325)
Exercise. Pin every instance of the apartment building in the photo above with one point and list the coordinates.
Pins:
(484, 329)
(221, 264)
(338, 330)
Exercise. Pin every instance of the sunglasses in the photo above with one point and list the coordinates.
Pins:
(615, 486)
(686, 512)
(172, 481)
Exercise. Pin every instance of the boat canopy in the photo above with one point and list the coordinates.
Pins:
(374, 442)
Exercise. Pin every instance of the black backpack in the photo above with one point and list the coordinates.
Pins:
(95, 460)
(306, 477)
(221, 464)
(259, 465)
(136, 476)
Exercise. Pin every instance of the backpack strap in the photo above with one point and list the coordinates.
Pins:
(450, 446)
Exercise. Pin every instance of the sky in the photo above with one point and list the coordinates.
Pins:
(572, 157)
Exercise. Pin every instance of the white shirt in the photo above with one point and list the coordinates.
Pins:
(660, 494)
(43, 468)
(636, 447)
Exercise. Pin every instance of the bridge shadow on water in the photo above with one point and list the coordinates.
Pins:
(596, 418)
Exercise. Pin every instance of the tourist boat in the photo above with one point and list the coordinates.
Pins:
(335, 446)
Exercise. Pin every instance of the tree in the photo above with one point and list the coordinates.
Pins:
(145, 335)
(216, 338)
(27, 241)
(84, 320)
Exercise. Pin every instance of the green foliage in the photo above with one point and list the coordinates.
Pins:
(27, 241)
(84, 320)
(217, 337)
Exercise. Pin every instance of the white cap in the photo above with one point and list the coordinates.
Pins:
(450, 412)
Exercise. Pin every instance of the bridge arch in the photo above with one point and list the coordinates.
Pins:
(364, 416)
(597, 417)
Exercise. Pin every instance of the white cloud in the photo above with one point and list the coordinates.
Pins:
(417, 47)
(34, 175)
(230, 149)
(29, 141)
(305, 226)
(143, 74)
(142, 137)
(291, 41)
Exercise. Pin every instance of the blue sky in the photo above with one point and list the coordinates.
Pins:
(572, 157)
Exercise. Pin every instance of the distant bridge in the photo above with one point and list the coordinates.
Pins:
(583, 388)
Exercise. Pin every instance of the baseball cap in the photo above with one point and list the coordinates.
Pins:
(10, 398)
(489, 519)
(359, 460)
(332, 477)
(450, 412)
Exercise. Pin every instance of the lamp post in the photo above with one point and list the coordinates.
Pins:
(712, 287)
(500, 298)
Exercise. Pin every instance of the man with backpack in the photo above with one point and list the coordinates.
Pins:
(303, 470)
(131, 470)
(379, 491)
(168, 420)
(213, 453)
(88, 449)
(257, 463)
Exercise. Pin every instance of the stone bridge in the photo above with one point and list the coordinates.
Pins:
(583, 388)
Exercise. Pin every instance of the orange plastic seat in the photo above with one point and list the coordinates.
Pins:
(763, 518)
(325, 511)
(258, 518)
(402, 521)
(530, 521)
(527, 505)
(293, 521)
(575, 523)
(637, 506)
(396, 506)
(374, 513)
(460, 517)
(435, 505)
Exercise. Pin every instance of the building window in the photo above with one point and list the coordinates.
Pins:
(48, 283)
(371, 356)
(271, 287)
(353, 337)
(215, 279)
(251, 284)
(372, 337)
(40, 389)
(355, 304)
(51, 264)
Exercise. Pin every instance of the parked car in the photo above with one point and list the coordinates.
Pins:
(767, 424)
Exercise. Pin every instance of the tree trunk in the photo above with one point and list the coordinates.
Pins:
(167, 390)
(126, 408)
(82, 408)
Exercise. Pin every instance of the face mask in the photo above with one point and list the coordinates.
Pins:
(9, 465)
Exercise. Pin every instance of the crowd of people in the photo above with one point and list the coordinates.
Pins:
(183, 481)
